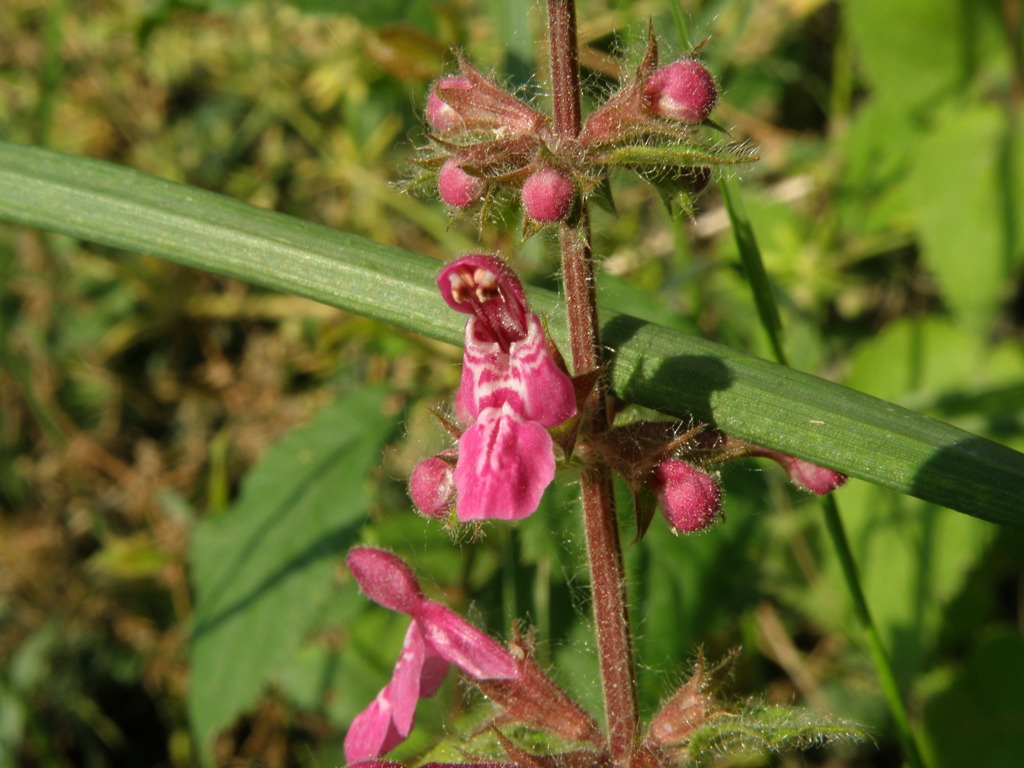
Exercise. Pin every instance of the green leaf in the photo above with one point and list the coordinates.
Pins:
(964, 210)
(660, 156)
(759, 728)
(910, 50)
(977, 719)
(653, 366)
(877, 152)
(263, 570)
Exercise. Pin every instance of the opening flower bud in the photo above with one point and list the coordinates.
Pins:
(547, 195)
(470, 103)
(684, 91)
(689, 498)
(457, 188)
(432, 487)
(441, 116)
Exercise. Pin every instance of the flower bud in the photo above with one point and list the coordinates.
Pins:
(684, 91)
(802, 473)
(808, 476)
(441, 116)
(432, 487)
(468, 103)
(691, 706)
(457, 188)
(547, 195)
(689, 499)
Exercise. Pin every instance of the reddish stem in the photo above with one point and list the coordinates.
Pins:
(604, 547)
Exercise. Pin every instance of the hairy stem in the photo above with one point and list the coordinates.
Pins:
(604, 547)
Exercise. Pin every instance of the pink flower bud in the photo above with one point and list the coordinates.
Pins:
(808, 476)
(458, 188)
(684, 91)
(432, 487)
(547, 195)
(689, 499)
(470, 102)
(440, 114)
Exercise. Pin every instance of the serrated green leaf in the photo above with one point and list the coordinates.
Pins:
(263, 570)
(653, 366)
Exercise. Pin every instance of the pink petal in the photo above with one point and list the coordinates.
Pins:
(803, 474)
(510, 289)
(384, 578)
(547, 391)
(504, 465)
(483, 363)
(527, 377)
(458, 188)
(459, 642)
(435, 668)
(384, 724)
(439, 114)
(372, 732)
(403, 692)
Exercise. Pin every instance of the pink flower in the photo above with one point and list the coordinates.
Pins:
(511, 391)
(436, 638)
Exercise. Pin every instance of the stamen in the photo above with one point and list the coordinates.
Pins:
(486, 284)
(460, 285)
(480, 291)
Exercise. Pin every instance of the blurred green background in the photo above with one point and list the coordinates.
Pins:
(143, 405)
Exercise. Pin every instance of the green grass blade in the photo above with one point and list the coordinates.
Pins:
(764, 298)
(654, 366)
(876, 649)
(753, 266)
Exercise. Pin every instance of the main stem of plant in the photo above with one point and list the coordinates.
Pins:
(604, 548)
